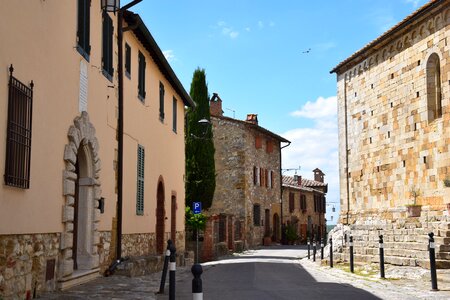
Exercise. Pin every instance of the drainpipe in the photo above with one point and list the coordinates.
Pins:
(346, 148)
(120, 31)
(281, 187)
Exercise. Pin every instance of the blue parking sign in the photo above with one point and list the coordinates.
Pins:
(197, 207)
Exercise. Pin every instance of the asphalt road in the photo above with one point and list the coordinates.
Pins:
(265, 274)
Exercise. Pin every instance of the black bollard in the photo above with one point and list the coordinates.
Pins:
(309, 248)
(164, 272)
(331, 252)
(351, 255)
(172, 269)
(381, 257)
(321, 248)
(314, 250)
(197, 288)
(431, 247)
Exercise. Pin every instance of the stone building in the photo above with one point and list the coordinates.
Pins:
(245, 208)
(58, 145)
(304, 205)
(394, 133)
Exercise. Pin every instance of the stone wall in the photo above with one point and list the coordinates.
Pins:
(235, 159)
(142, 244)
(394, 145)
(28, 264)
(405, 239)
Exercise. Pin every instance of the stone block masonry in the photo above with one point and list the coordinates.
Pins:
(28, 264)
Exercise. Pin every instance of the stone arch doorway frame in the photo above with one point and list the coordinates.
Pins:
(82, 150)
(160, 216)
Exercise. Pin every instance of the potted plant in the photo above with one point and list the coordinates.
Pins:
(414, 209)
(447, 193)
(291, 234)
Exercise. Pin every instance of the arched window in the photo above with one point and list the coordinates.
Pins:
(434, 98)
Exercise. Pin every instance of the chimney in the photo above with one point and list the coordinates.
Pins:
(298, 179)
(215, 106)
(318, 175)
(252, 118)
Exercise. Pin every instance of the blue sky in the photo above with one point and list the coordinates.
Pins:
(273, 58)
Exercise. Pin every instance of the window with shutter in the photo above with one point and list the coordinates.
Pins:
(18, 135)
(140, 180)
(269, 179)
(266, 177)
(174, 114)
(161, 101)
(107, 50)
(272, 177)
(141, 80)
(127, 60)
(261, 177)
(258, 142)
(255, 176)
(83, 28)
(256, 215)
(291, 202)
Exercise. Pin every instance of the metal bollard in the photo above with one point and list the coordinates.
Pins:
(352, 269)
(314, 250)
(164, 272)
(431, 247)
(197, 288)
(381, 257)
(321, 248)
(331, 252)
(309, 248)
(172, 269)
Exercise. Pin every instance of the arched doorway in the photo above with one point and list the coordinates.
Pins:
(81, 190)
(276, 227)
(160, 218)
(83, 222)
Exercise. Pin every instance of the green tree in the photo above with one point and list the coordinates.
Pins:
(200, 167)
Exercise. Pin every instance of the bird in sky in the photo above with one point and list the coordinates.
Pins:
(307, 51)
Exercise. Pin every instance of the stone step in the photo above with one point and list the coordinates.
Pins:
(77, 278)
(437, 240)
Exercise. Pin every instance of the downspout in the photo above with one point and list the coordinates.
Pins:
(346, 148)
(120, 122)
(281, 186)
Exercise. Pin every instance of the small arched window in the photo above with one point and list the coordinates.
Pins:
(434, 98)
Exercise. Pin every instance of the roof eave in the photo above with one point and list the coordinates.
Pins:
(140, 30)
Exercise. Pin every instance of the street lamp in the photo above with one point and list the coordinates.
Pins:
(205, 125)
(110, 5)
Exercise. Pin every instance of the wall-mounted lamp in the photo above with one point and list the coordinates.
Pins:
(101, 205)
(205, 125)
(110, 5)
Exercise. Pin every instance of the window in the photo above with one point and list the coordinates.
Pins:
(84, 12)
(291, 202)
(107, 50)
(303, 202)
(269, 179)
(272, 179)
(161, 101)
(140, 181)
(174, 115)
(222, 228)
(269, 146)
(256, 215)
(18, 136)
(141, 84)
(258, 142)
(261, 177)
(127, 60)
(256, 176)
(434, 97)
(266, 176)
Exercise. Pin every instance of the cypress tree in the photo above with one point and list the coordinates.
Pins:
(200, 167)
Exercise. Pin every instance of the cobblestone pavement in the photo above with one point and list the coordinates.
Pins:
(401, 282)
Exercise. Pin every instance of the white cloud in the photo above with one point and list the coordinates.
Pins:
(415, 3)
(228, 30)
(169, 55)
(271, 23)
(247, 29)
(322, 107)
(261, 24)
(316, 146)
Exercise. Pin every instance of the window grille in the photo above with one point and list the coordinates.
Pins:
(18, 137)
(140, 180)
